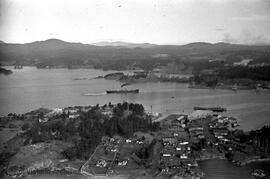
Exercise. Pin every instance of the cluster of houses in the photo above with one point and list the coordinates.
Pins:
(111, 144)
(196, 131)
(102, 163)
(103, 158)
(176, 152)
(219, 127)
(69, 112)
(107, 110)
(111, 156)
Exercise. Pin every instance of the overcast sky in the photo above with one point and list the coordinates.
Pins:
(152, 21)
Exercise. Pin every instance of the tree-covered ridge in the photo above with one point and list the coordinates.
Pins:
(90, 126)
(57, 53)
(261, 138)
(241, 75)
(5, 71)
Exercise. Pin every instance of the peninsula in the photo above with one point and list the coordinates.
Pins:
(5, 71)
(124, 141)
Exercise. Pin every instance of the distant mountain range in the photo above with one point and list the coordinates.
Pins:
(124, 44)
(57, 52)
(58, 42)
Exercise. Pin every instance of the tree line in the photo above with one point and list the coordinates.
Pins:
(261, 138)
(86, 131)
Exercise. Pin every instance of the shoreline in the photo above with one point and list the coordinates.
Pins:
(243, 163)
(70, 174)
(211, 158)
(223, 88)
(249, 161)
(45, 171)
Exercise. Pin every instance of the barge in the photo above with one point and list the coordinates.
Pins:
(122, 91)
(214, 109)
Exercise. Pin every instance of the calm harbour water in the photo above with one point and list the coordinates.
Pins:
(223, 169)
(31, 88)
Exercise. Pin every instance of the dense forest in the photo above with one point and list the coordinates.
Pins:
(242, 75)
(86, 131)
(261, 138)
(254, 73)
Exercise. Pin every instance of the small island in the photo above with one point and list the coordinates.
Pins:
(230, 77)
(5, 71)
(123, 140)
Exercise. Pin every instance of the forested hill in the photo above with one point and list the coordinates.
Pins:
(54, 52)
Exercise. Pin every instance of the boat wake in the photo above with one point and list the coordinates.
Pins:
(94, 94)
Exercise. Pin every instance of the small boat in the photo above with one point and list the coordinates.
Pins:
(122, 91)
(125, 84)
(235, 88)
(258, 173)
(214, 109)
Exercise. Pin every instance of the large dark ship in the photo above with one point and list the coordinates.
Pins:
(123, 91)
(214, 109)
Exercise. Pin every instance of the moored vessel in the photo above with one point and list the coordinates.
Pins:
(214, 109)
(123, 91)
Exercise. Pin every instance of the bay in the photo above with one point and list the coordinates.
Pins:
(223, 169)
(32, 88)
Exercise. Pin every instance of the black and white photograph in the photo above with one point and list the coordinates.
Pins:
(135, 89)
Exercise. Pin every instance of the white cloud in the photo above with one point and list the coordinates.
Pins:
(253, 18)
(154, 21)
